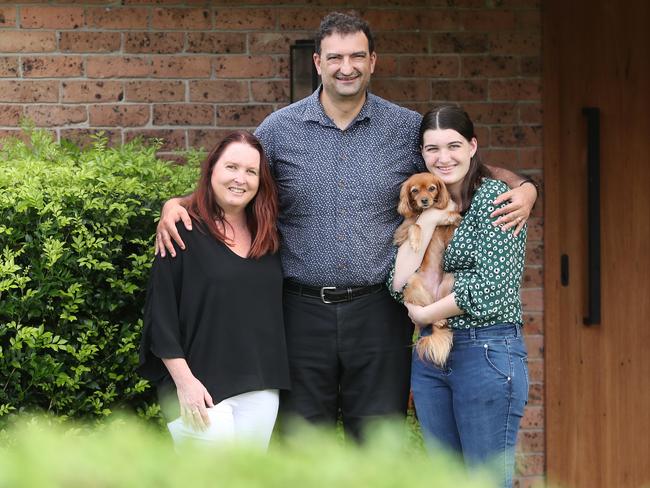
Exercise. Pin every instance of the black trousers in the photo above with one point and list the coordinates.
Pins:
(354, 356)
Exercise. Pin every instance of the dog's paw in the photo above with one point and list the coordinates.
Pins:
(440, 324)
(415, 237)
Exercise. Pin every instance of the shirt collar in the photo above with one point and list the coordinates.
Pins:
(314, 110)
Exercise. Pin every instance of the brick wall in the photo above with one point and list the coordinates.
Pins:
(188, 71)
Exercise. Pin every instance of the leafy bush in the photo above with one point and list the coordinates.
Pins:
(76, 245)
(126, 454)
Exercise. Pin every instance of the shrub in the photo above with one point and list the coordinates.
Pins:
(127, 455)
(76, 245)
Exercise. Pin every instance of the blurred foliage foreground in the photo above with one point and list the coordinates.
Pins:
(126, 453)
(76, 246)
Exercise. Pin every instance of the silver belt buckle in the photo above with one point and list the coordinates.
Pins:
(322, 293)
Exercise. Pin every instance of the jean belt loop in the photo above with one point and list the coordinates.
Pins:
(517, 330)
(472, 333)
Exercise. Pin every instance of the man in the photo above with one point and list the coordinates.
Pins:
(339, 157)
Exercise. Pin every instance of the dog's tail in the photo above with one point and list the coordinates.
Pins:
(436, 347)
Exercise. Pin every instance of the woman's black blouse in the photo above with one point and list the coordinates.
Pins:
(219, 311)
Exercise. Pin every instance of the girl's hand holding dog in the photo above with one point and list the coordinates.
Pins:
(433, 217)
(517, 211)
(417, 315)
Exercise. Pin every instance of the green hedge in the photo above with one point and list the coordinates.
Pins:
(126, 454)
(76, 245)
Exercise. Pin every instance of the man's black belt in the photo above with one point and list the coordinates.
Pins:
(331, 294)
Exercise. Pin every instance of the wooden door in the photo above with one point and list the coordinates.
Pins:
(597, 54)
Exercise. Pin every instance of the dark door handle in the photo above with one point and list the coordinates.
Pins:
(593, 215)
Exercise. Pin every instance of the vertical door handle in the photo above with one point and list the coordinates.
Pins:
(593, 215)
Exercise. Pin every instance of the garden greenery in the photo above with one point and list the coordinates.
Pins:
(76, 246)
(126, 454)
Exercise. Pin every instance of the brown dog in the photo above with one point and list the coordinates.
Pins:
(429, 283)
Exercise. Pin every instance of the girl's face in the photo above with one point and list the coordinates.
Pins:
(447, 154)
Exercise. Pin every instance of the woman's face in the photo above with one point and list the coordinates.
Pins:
(236, 177)
(447, 154)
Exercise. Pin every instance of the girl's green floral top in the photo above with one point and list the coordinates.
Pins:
(487, 264)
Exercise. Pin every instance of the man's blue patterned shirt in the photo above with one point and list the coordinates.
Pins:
(339, 188)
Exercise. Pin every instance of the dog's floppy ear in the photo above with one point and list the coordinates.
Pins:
(404, 207)
(442, 200)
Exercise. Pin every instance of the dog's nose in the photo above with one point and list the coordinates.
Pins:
(425, 201)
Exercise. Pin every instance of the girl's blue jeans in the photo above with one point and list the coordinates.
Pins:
(474, 404)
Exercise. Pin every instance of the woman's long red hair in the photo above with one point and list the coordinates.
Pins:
(262, 210)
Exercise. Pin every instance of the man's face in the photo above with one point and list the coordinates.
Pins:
(345, 65)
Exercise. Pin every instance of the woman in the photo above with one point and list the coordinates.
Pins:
(473, 404)
(213, 329)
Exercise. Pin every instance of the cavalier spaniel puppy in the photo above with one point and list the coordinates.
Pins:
(429, 283)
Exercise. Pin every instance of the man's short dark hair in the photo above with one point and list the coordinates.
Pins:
(340, 23)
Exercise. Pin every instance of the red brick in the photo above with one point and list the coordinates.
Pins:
(8, 67)
(91, 91)
(529, 464)
(29, 91)
(533, 323)
(402, 90)
(52, 66)
(242, 115)
(299, 19)
(529, 482)
(535, 346)
(530, 113)
(282, 66)
(508, 136)
(492, 113)
(533, 418)
(518, 89)
(85, 137)
(386, 66)
(459, 42)
(515, 43)
(536, 394)
(205, 138)
(89, 42)
(181, 67)
(536, 371)
(487, 20)
(7, 16)
(274, 42)
(74, 91)
(118, 67)
(13, 134)
(51, 17)
(253, 19)
(435, 20)
(183, 114)
(168, 2)
(529, 20)
(20, 41)
(429, 66)
(531, 157)
(458, 90)
(181, 18)
(489, 66)
(118, 115)
(533, 277)
(535, 228)
(117, 17)
(154, 42)
(531, 66)
(504, 158)
(535, 251)
(271, 91)
(155, 91)
(407, 43)
(173, 139)
(218, 91)
(10, 115)
(244, 66)
(55, 115)
(531, 441)
(216, 42)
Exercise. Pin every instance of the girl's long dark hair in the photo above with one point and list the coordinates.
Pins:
(261, 212)
(454, 117)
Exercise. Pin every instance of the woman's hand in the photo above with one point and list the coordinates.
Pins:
(417, 315)
(172, 212)
(193, 399)
(517, 211)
